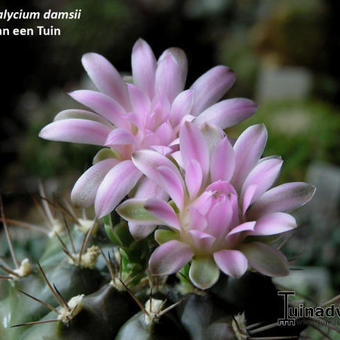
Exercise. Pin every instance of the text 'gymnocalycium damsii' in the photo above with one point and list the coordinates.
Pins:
(162, 141)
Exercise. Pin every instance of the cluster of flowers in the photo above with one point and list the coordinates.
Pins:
(210, 197)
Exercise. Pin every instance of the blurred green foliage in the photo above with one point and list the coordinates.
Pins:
(299, 131)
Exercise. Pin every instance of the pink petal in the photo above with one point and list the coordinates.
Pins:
(171, 73)
(197, 219)
(177, 156)
(173, 184)
(248, 150)
(288, 196)
(149, 189)
(203, 202)
(117, 183)
(247, 226)
(169, 257)
(163, 211)
(222, 161)
(76, 131)
(212, 135)
(193, 146)
(219, 218)
(248, 197)
(160, 110)
(222, 187)
(231, 262)
(227, 113)
(181, 106)
(81, 114)
(85, 189)
(274, 223)
(106, 78)
(141, 104)
(149, 162)
(211, 87)
(163, 150)
(102, 104)
(120, 137)
(143, 67)
(165, 132)
(149, 138)
(201, 240)
(262, 177)
(141, 231)
(193, 177)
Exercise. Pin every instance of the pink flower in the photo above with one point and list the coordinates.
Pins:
(220, 197)
(144, 114)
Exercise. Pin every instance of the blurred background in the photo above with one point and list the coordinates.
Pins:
(286, 57)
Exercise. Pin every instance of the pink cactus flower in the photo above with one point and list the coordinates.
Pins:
(145, 114)
(221, 197)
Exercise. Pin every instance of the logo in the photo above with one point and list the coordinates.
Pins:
(300, 312)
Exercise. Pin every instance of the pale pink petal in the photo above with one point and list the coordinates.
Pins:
(149, 189)
(222, 187)
(222, 161)
(248, 150)
(194, 146)
(210, 87)
(203, 202)
(175, 143)
(149, 162)
(163, 150)
(76, 131)
(274, 223)
(262, 177)
(169, 257)
(165, 133)
(117, 183)
(247, 197)
(227, 189)
(149, 138)
(193, 177)
(81, 114)
(160, 111)
(106, 77)
(246, 226)
(227, 113)
(163, 211)
(197, 220)
(120, 136)
(143, 64)
(181, 106)
(171, 73)
(141, 104)
(219, 218)
(103, 105)
(231, 262)
(213, 136)
(141, 231)
(177, 156)
(285, 197)
(201, 240)
(85, 189)
(172, 183)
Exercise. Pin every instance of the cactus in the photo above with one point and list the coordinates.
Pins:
(109, 294)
